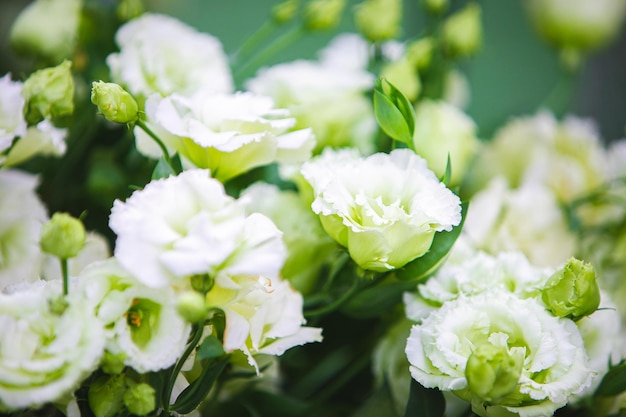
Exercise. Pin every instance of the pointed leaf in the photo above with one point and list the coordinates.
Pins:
(394, 112)
(210, 348)
(424, 402)
(614, 382)
(190, 398)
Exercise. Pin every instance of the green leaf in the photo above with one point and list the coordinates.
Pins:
(424, 402)
(374, 301)
(190, 398)
(447, 176)
(394, 113)
(425, 266)
(163, 170)
(614, 382)
(210, 348)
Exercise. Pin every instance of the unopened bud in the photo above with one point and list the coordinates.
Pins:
(49, 93)
(436, 6)
(403, 74)
(191, 306)
(63, 236)
(113, 363)
(462, 32)
(323, 14)
(379, 20)
(129, 9)
(420, 52)
(285, 12)
(115, 103)
(140, 399)
(572, 291)
(492, 372)
(106, 395)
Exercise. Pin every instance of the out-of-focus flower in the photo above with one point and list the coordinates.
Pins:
(379, 20)
(115, 104)
(263, 315)
(47, 29)
(328, 96)
(144, 326)
(21, 217)
(49, 352)
(43, 139)
(186, 225)
(580, 25)
(308, 246)
(159, 54)
(323, 14)
(49, 93)
(551, 349)
(527, 219)
(385, 209)
(12, 122)
(442, 131)
(229, 134)
(462, 32)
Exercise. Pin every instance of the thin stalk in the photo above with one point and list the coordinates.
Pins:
(66, 276)
(258, 37)
(153, 135)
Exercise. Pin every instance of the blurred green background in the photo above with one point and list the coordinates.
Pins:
(512, 75)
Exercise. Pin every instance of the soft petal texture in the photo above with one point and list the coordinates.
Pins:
(48, 354)
(159, 54)
(12, 123)
(385, 209)
(43, 139)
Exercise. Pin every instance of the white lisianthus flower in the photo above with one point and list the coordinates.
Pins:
(328, 96)
(12, 122)
(22, 215)
(46, 353)
(229, 134)
(142, 322)
(42, 139)
(527, 219)
(159, 54)
(546, 355)
(385, 209)
(263, 315)
(185, 225)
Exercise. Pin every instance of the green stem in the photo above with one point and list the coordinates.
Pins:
(335, 304)
(66, 276)
(258, 37)
(273, 48)
(153, 135)
(196, 333)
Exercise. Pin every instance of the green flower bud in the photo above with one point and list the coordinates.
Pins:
(63, 236)
(191, 306)
(572, 291)
(462, 32)
(115, 103)
(492, 372)
(379, 20)
(49, 93)
(420, 52)
(285, 12)
(436, 6)
(47, 29)
(323, 14)
(113, 363)
(129, 9)
(106, 395)
(140, 399)
(403, 74)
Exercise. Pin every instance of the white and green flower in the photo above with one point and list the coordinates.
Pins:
(385, 209)
(12, 122)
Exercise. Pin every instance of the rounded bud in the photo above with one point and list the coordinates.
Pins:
(115, 103)
(323, 14)
(105, 395)
(572, 291)
(492, 372)
(436, 6)
(379, 20)
(140, 399)
(285, 12)
(191, 306)
(462, 32)
(63, 236)
(49, 93)
(112, 363)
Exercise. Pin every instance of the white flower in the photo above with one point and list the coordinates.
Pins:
(42, 139)
(159, 54)
(327, 97)
(385, 209)
(263, 315)
(45, 355)
(142, 321)
(12, 122)
(229, 134)
(186, 225)
(21, 217)
(527, 219)
(551, 350)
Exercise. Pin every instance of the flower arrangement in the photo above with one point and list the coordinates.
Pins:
(322, 237)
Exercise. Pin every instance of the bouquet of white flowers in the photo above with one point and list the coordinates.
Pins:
(189, 232)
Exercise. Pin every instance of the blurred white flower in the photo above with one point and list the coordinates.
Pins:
(550, 350)
(43, 139)
(186, 225)
(12, 122)
(45, 353)
(142, 322)
(159, 54)
(22, 215)
(385, 209)
(229, 134)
